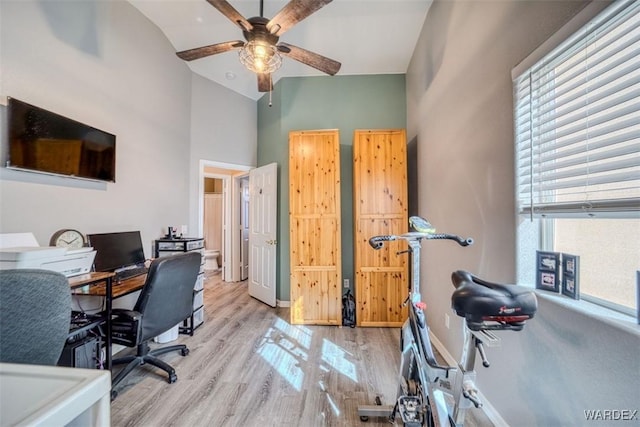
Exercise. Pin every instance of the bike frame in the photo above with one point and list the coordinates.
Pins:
(417, 351)
(421, 377)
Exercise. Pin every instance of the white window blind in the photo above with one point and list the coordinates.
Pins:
(577, 122)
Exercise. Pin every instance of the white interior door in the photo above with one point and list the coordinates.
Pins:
(263, 197)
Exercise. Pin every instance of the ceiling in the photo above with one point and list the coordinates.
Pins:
(366, 36)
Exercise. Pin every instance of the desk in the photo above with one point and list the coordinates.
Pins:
(34, 395)
(101, 284)
(119, 289)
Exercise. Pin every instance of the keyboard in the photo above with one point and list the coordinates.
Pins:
(80, 318)
(81, 323)
(131, 272)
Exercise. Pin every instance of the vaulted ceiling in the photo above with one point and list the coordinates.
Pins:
(366, 36)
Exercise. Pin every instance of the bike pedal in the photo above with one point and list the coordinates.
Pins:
(410, 408)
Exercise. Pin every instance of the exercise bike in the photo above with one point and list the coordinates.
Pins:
(430, 394)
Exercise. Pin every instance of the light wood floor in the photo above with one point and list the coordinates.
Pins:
(249, 367)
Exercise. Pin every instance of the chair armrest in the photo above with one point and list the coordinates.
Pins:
(125, 315)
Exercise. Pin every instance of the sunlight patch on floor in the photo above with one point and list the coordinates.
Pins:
(336, 357)
(300, 334)
(284, 347)
(332, 403)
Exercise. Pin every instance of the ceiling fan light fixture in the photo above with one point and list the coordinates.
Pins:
(260, 57)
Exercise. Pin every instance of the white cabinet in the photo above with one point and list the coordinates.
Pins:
(34, 395)
(166, 247)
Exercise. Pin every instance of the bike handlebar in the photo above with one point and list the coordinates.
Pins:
(377, 242)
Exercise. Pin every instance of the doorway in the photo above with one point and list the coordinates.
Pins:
(231, 184)
(213, 226)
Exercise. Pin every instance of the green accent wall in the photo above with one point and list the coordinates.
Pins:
(345, 103)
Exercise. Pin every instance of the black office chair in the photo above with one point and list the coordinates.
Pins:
(35, 313)
(165, 300)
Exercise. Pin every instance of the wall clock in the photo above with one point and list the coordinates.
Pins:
(67, 238)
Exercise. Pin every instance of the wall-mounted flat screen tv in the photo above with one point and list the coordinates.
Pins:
(42, 141)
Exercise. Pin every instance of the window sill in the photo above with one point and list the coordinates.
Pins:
(611, 317)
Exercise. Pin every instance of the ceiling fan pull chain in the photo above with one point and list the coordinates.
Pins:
(270, 89)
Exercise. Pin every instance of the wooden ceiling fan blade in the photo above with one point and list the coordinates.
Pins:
(264, 82)
(214, 49)
(294, 12)
(231, 13)
(309, 58)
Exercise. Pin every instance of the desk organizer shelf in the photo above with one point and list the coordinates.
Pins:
(167, 247)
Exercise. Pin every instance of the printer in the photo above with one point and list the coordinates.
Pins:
(21, 250)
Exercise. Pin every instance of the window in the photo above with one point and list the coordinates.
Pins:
(609, 256)
(577, 147)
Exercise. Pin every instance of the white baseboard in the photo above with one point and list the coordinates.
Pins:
(488, 409)
(280, 303)
(451, 361)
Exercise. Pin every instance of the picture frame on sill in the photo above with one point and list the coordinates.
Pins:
(571, 276)
(548, 271)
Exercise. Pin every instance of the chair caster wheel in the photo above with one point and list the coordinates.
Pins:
(364, 418)
(173, 378)
(114, 394)
(185, 351)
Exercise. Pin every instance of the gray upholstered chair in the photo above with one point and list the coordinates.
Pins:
(165, 300)
(35, 311)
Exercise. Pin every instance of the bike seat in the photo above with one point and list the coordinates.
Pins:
(486, 305)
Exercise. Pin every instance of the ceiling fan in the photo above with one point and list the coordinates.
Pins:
(261, 53)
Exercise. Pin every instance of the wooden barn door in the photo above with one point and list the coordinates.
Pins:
(380, 207)
(314, 215)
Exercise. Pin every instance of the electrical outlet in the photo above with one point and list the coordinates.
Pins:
(346, 283)
(446, 320)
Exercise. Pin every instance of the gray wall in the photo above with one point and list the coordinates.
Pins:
(223, 129)
(345, 103)
(459, 108)
(105, 64)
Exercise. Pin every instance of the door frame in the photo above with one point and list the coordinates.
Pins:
(236, 234)
(226, 172)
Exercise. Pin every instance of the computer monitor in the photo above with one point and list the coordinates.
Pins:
(115, 251)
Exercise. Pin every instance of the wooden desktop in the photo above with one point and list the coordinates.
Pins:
(94, 284)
